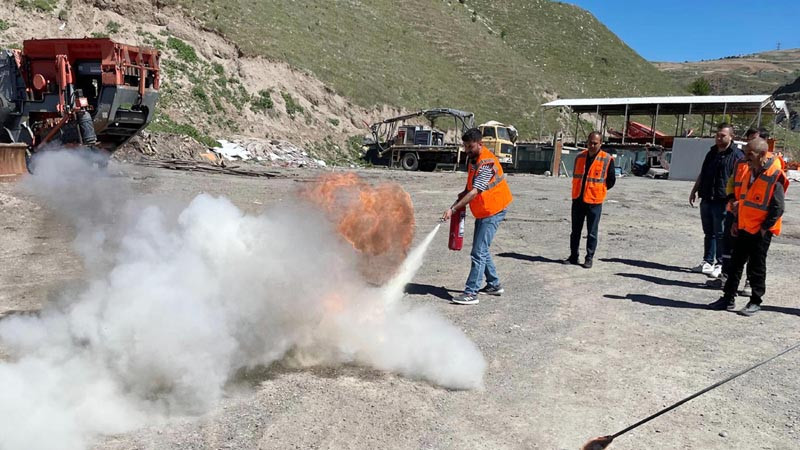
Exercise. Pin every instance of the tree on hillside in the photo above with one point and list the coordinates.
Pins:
(700, 86)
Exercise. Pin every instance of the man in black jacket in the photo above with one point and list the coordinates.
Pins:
(710, 186)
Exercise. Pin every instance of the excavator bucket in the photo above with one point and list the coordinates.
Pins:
(12, 161)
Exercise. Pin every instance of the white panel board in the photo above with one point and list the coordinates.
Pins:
(687, 157)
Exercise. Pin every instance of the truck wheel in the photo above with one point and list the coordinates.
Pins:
(410, 161)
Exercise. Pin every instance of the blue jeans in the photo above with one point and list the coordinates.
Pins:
(712, 215)
(482, 263)
(582, 211)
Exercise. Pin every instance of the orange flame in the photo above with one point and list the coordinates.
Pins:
(376, 221)
(333, 303)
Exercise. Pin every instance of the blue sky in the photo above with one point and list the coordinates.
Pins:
(683, 30)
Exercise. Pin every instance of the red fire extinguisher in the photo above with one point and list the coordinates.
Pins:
(457, 227)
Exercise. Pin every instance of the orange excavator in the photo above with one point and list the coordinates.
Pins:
(91, 92)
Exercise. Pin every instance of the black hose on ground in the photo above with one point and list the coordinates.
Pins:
(602, 442)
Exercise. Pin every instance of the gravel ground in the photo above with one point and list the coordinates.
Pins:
(571, 353)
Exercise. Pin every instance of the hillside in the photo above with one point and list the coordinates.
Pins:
(499, 58)
(313, 73)
(209, 90)
(759, 73)
(789, 92)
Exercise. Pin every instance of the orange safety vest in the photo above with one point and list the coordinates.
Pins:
(783, 162)
(498, 196)
(754, 199)
(596, 189)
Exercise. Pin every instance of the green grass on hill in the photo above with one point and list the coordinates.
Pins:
(759, 73)
(500, 61)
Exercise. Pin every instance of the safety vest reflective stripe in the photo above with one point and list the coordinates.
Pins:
(595, 173)
(497, 180)
(605, 161)
(494, 181)
(755, 196)
(770, 180)
(482, 162)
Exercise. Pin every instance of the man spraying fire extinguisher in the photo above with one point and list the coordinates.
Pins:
(488, 196)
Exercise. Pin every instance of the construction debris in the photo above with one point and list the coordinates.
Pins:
(199, 166)
(185, 153)
(268, 151)
(161, 146)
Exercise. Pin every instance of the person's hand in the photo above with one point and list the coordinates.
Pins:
(735, 229)
(447, 214)
(692, 198)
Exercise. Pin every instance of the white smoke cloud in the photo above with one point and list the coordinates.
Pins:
(177, 300)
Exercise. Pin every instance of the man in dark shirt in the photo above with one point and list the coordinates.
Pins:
(593, 174)
(711, 184)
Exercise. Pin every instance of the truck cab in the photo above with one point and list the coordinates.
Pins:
(500, 139)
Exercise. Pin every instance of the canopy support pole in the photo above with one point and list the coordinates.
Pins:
(655, 122)
(625, 126)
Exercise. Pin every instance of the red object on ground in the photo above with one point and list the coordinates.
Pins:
(457, 221)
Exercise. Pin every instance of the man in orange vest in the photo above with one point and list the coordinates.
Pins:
(727, 238)
(488, 195)
(759, 189)
(592, 176)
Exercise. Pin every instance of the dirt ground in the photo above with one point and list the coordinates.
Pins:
(571, 353)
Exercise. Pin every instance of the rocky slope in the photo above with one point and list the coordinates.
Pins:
(209, 90)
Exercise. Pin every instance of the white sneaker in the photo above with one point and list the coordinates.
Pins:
(703, 267)
(716, 272)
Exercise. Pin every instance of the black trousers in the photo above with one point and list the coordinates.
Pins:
(582, 211)
(750, 249)
(727, 243)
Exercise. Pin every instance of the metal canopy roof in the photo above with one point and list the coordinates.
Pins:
(687, 104)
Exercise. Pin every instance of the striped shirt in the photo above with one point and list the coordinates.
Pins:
(482, 178)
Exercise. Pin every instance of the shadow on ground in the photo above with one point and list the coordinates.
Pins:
(669, 303)
(426, 289)
(529, 258)
(646, 264)
(665, 281)
(657, 301)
